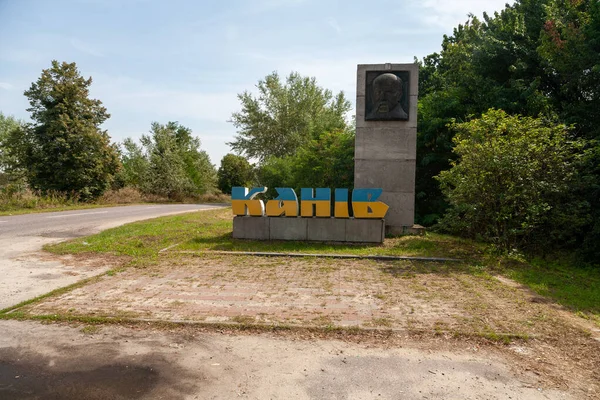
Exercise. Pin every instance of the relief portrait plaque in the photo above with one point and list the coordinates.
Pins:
(387, 95)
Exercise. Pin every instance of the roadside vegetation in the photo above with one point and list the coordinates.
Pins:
(64, 160)
(26, 201)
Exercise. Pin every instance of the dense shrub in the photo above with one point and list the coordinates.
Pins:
(169, 163)
(324, 162)
(516, 182)
(234, 171)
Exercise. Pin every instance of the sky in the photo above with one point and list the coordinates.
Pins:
(186, 60)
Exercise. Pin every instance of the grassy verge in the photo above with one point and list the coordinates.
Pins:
(211, 230)
(77, 206)
(572, 286)
(28, 202)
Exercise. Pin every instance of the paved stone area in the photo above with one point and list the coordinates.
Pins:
(443, 301)
(249, 289)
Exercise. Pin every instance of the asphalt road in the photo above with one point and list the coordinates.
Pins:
(68, 224)
(23, 275)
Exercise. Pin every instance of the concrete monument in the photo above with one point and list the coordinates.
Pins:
(386, 138)
(314, 218)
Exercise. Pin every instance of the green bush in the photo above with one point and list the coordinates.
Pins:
(234, 171)
(326, 162)
(516, 182)
(169, 163)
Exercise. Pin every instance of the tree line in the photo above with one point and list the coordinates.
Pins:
(508, 130)
(538, 161)
(64, 149)
(296, 132)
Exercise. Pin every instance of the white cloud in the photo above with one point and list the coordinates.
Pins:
(448, 14)
(6, 86)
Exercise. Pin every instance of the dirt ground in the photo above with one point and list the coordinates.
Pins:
(68, 362)
(431, 305)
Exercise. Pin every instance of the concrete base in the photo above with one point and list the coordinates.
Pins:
(414, 230)
(310, 229)
(255, 228)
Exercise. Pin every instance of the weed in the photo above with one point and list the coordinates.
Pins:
(386, 322)
(243, 319)
(380, 296)
(90, 329)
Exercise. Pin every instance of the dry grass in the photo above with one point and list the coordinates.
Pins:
(17, 199)
(129, 195)
(126, 195)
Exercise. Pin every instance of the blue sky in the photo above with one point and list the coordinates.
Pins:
(186, 61)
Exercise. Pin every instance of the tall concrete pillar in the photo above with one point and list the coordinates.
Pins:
(386, 138)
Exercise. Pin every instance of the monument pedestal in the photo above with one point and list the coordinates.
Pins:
(386, 139)
(309, 229)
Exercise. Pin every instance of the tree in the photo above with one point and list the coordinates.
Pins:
(515, 182)
(135, 164)
(327, 161)
(285, 116)
(64, 149)
(166, 175)
(168, 163)
(8, 171)
(489, 63)
(197, 165)
(234, 171)
(8, 124)
(277, 172)
(570, 50)
(536, 57)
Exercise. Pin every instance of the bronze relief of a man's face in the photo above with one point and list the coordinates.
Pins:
(387, 92)
(385, 99)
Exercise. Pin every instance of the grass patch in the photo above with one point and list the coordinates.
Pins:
(574, 286)
(211, 230)
(90, 329)
(55, 208)
(243, 319)
(15, 200)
